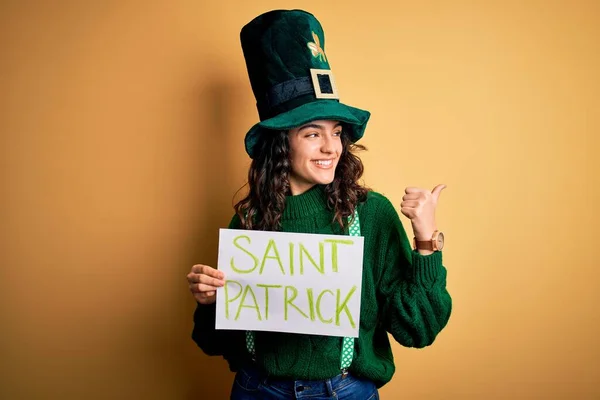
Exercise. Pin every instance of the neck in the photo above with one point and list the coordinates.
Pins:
(299, 189)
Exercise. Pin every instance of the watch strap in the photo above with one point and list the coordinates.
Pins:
(430, 244)
(423, 244)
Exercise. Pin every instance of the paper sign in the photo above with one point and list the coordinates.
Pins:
(290, 282)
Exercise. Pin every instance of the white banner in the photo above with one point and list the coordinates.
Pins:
(290, 282)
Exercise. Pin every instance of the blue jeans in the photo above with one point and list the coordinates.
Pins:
(249, 384)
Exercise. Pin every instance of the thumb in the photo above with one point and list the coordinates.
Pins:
(437, 190)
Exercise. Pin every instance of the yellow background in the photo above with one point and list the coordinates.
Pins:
(121, 149)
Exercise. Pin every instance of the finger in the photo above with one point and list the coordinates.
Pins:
(408, 212)
(437, 190)
(412, 196)
(204, 295)
(193, 278)
(203, 278)
(211, 281)
(210, 271)
(411, 189)
(204, 300)
(409, 203)
(198, 268)
(202, 288)
(207, 270)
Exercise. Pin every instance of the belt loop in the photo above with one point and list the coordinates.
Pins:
(329, 387)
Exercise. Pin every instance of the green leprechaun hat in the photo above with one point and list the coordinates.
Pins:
(290, 75)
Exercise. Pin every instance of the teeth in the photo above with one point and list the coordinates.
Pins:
(324, 162)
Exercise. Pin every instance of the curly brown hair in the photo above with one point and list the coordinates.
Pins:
(268, 184)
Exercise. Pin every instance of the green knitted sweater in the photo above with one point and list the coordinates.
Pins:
(403, 293)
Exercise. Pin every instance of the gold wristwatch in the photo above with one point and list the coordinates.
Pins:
(436, 243)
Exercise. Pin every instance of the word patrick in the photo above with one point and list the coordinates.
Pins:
(248, 300)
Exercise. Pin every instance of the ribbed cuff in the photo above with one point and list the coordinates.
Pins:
(205, 315)
(426, 269)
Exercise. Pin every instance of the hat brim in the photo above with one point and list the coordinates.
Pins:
(323, 109)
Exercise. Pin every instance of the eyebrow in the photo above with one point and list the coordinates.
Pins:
(317, 126)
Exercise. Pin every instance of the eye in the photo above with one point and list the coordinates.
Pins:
(312, 135)
(338, 133)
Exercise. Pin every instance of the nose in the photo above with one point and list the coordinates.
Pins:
(327, 144)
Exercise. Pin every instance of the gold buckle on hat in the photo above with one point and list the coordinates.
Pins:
(315, 80)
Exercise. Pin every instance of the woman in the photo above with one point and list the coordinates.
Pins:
(304, 177)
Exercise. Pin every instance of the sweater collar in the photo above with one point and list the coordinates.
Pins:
(313, 201)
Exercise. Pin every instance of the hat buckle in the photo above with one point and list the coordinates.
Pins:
(324, 84)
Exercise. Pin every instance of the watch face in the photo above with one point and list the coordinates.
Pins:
(440, 241)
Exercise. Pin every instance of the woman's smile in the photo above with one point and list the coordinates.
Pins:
(324, 164)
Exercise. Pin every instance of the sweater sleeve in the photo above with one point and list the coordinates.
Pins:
(204, 333)
(412, 287)
(214, 342)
